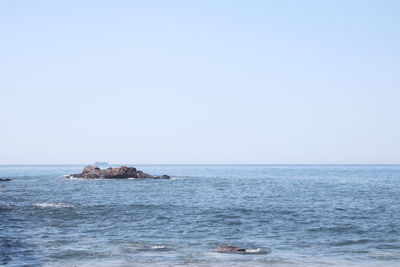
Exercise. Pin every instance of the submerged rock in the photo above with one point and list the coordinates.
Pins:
(5, 179)
(230, 249)
(123, 172)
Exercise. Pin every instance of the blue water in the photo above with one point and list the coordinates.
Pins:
(286, 216)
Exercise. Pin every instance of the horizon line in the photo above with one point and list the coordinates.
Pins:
(206, 164)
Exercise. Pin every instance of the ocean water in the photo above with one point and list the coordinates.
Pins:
(284, 215)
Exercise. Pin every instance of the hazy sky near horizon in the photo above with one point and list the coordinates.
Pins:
(200, 82)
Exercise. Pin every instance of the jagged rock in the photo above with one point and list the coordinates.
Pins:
(141, 174)
(5, 179)
(123, 172)
(230, 249)
(90, 172)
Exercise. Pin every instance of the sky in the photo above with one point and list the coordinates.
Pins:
(200, 82)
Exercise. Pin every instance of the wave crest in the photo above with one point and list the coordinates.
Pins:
(52, 205)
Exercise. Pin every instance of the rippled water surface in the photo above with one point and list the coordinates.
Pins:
(286, 216)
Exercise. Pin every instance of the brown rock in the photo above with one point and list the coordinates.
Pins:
(123, 172)
(90, 172)
(141, 174)
(230, 249)
(120, 173)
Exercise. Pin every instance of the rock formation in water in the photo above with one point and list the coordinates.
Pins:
(230, 249)
(123, 172)
(5, 179)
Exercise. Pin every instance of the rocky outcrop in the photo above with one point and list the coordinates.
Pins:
(230, 249)
(90, 172)
(5, 179)
(123, 172)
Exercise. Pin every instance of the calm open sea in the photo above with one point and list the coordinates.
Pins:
(297, 215)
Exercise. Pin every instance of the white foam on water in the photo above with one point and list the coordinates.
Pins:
(52, 205)
(256, 250)
(146, 247)
(158, 247)
(83, 179)
(70, 177)
(174, 179)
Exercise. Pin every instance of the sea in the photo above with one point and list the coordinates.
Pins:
(283, 215)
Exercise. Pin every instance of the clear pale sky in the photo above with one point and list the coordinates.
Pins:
(200, 82)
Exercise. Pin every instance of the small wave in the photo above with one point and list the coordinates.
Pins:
(6, 207)
(53, 205)
(176, 178)
(387, 246)
(248, 251)
(147, 247)
(256, 250)
(351, 242)
(384, 255)
(74, 178)
(86, 179)
(157, 247)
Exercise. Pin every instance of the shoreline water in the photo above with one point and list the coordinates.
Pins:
(302, 215)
